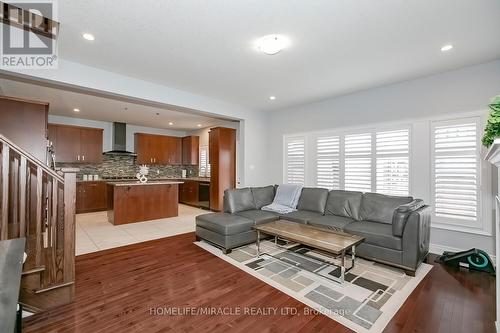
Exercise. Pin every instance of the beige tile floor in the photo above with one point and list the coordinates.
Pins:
(94, 232)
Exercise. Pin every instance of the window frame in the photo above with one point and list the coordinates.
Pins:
(310, 151)
(286, 139)
(447, 223)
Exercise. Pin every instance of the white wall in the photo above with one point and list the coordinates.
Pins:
(108, 130)
(457, 92)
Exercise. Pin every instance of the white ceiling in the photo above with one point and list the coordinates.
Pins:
(62, 103)
(341, 46)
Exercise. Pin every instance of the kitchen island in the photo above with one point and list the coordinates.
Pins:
(133, 201)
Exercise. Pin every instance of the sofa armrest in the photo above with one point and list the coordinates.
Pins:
(416, 237)
(401, 214)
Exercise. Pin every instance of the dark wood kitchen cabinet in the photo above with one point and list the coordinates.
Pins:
(222, 157)
(142, 202)
(75, 144)
(25, 123)
(91, 196)
(188, 192)
(158, 149)
(173, 152)
(190, 150)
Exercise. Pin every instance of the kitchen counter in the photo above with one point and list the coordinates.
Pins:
(179, 179)
(149, 182)
(133, 201)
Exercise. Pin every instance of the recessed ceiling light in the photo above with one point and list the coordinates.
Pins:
(447, 47)
(170, 123)
(76, 110)
(272, 44)
(199, 125)
(272, 98)
(88, 36)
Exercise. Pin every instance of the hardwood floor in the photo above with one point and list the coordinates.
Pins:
(116, 290)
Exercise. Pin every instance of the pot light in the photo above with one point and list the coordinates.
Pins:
(446, 48)
(272, 98)
(88, 36)
(272, 44)
(76, 110)
(199, 125)
(170, 123)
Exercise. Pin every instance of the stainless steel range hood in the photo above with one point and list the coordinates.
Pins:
(120, 140)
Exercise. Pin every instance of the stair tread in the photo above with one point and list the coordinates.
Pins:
(34, 270)
(55, 286)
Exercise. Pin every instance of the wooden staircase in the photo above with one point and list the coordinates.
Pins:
(38, 203)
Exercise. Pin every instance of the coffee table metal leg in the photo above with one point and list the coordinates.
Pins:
(258, 243)
(342, 267)
(353, 255)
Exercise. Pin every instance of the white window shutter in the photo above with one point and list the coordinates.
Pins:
(328, 162)
(392, 158)
(358, 162)
(456, 170)
(295, 160)
(204, 163)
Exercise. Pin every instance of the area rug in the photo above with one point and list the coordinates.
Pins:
(370, 296)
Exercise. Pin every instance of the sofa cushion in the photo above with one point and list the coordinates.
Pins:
(259, 216)
(224, 223)
(238, 200)
(313, 199)
(331, 222)
(263, 196)
(375, 233)
(379, 207)
(300, 216)
(344, 203)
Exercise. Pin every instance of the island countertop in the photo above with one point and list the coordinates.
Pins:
(151, 182)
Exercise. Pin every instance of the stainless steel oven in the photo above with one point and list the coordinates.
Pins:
(204, 195)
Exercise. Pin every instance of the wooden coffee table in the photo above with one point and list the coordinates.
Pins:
(326, 240)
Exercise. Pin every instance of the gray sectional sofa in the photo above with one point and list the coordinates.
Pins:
(396, 229)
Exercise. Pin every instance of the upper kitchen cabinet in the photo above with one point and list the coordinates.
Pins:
(158, 149)
(25, 124)
(172, 155)
(75, 144)
(190, 150)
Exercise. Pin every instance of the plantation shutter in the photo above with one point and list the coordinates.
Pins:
(204, 164)
(358, 162)
(328, 162)
(456, 170)
(295, 160)
(392, 158)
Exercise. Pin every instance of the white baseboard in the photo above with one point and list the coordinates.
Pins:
(439, 249)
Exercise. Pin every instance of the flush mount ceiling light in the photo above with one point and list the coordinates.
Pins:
(170, 123)
(446, 48)
(272, 98)
(199, 125)
(76, 110)
(88, 36)
(272, 44)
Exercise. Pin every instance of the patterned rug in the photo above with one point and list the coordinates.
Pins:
(370, 296)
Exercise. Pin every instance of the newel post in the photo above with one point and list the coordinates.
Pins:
(69, 223)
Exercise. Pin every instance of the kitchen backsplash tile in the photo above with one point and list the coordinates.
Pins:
(125, 166)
